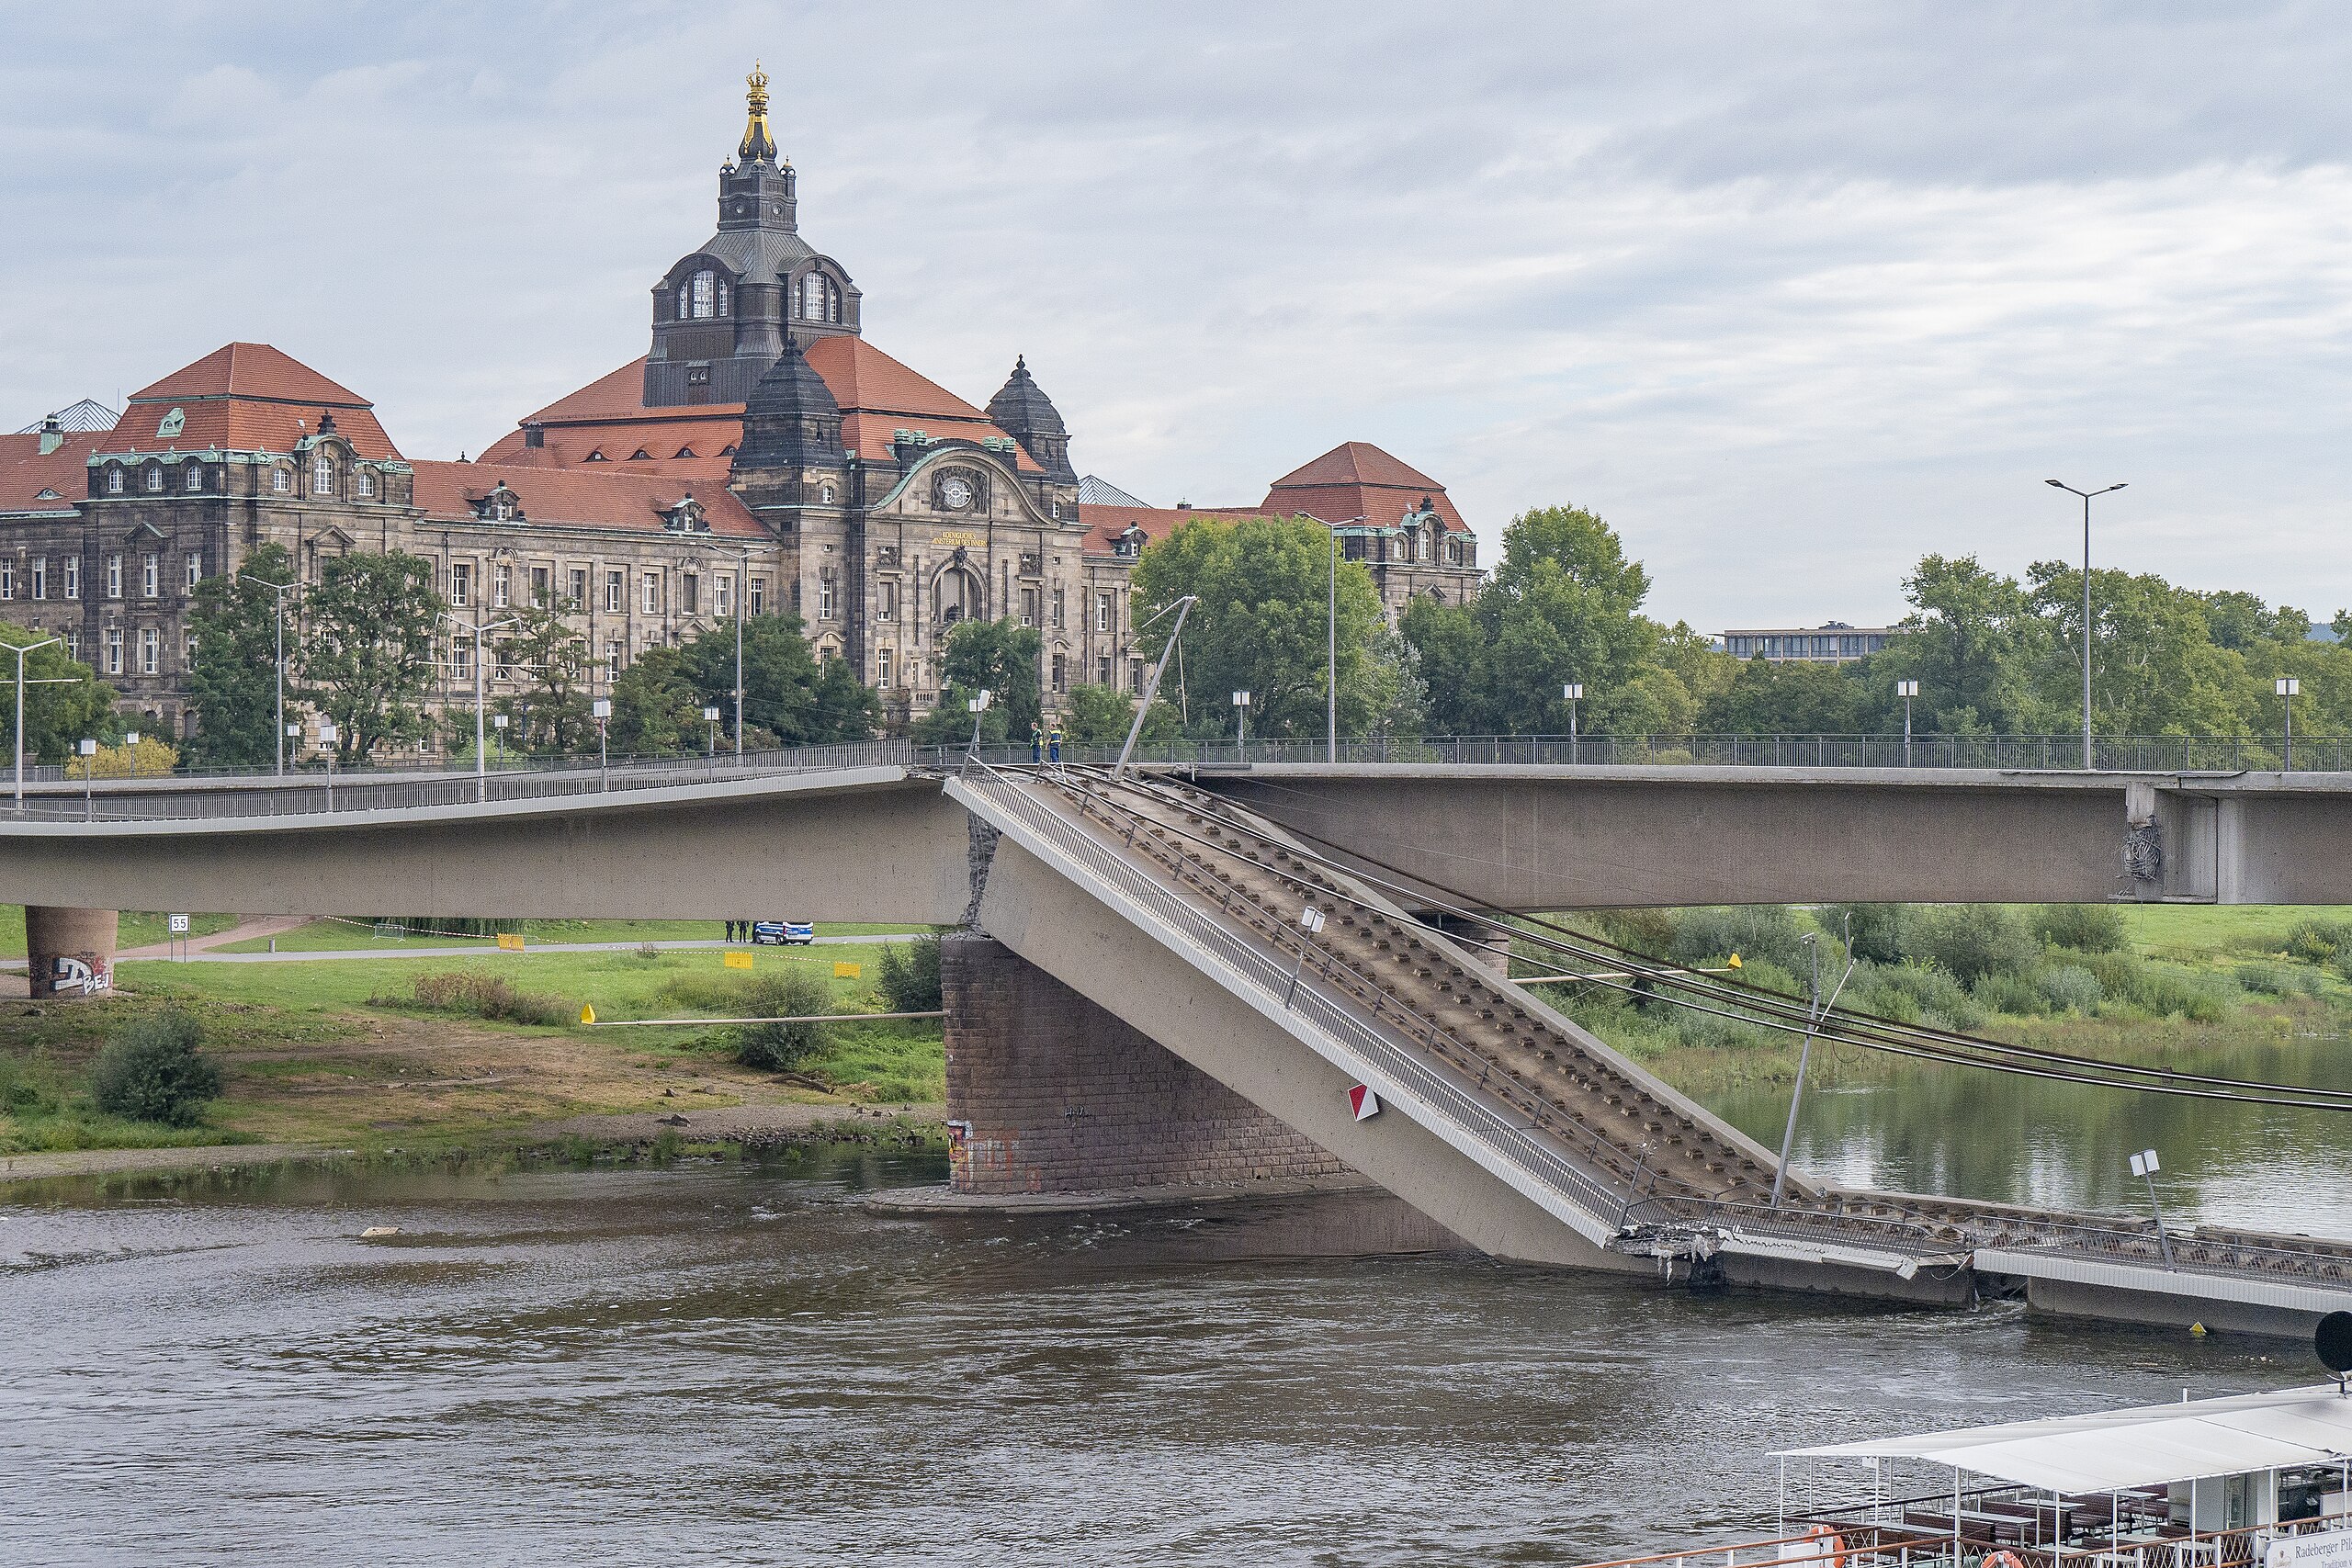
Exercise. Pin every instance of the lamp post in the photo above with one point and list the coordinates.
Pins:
(1241, 718)
(2085, 494)
(1907, 690)
(281, 589)
(1331, 645)
(976, 708)
(1182, 607)
(20, 654)
(89, 749)
(2289, 688)
(1572, 692)
(710, 717)
(741, 596)
(327, 738)
(498, 723)
(2144, 1166)
(1814, 1015)
(481, 760)
(601, 709)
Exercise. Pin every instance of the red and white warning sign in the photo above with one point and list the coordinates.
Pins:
(1366, 1103)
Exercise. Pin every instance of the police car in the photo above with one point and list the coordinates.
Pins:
(783, 933)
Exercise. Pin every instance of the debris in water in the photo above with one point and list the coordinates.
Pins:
(372, 1232)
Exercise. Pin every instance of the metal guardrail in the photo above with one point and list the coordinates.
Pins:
(1251, 966)
(2056, 753)
(313, 794)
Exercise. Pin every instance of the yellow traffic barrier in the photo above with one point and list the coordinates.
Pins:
(510, 941)
(737, 960)
(848, 971)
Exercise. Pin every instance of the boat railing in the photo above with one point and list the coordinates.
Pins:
(1871, 1546)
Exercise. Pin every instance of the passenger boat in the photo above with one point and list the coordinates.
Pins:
(2228, 1483)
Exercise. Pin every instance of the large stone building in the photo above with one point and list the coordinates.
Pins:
(761, 455)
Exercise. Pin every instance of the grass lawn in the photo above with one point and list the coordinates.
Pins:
(345, 935)
(2194, 933)
(138, 929)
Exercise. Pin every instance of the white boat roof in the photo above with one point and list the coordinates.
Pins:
(2148, 1445)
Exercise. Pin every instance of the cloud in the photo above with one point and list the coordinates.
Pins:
(1791, 293)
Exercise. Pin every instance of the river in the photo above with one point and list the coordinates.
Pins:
(742, 1364)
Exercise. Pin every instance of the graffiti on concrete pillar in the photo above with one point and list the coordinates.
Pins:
(86, 976)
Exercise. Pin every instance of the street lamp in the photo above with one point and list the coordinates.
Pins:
(742, 581)
(327, 738)
(89, 749)
(2289, 688)
(710, 717)
(1241, 718)
(2144, 1166)
(497, 722)
(20, 653)
(482, 763)
(1331, 644)
(601, 710)
(1907, 690)
(1572, 692)
(2085, 494)
(281, 589)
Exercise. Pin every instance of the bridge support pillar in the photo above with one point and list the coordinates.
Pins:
(69, 952)
(1047, 1092)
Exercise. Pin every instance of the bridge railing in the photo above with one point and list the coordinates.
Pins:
(309, 794)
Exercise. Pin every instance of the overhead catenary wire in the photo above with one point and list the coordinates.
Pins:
(1783, 1013)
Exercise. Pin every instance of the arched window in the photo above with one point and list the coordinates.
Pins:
(195, 481)
(684, 302)
(820, 299)
(958, 597)
(155, 478)
(706, 284)
(322, 475)
(722, 297)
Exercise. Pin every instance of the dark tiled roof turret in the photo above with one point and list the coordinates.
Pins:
(1022, 411)
(791, 419)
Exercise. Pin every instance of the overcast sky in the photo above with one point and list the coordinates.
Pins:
(1790, 295)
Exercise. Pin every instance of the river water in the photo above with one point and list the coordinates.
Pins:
(743, 1363)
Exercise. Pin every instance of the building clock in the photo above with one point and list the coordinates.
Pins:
(956, 492)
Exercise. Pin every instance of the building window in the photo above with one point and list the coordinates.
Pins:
(886, 668)
(759, 596)
(363, 483)
(502, 585)
(649, 594)
(195, 567)
(1057, 609)
(195, 477)
(114, 651)
(187, 649)
(1028, 606)
(114, 481)
(705, 291)
(322, 475)
(578, 587)
(73, 577)
(1105, 612)
(1134, 676)
(114, 579)
(615, 588)
(826, 603)
(612, 657)
(461, 659)
(281, 480)
(150, 575)
(74, 643)
(151, 651)
(542, 584)
(1061, 672)
(1103, 670)
(689, 594)
(722, 595)
(461, 584)
(40, 577)
(8, 579)
(154, 478)
(889, 601)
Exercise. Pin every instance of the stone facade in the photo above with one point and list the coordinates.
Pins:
(1048, 1093)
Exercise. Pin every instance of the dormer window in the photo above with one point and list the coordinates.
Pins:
(640, 456)
(195, 481)
(172, 425)
(322, 475)
(501, 505)
(685, 517)
(154, 478)
(596, 456)
(826, 492)
(702, 297)
(820, 299)
(114, 481)
(363, 483)
(281, 480)
(685, 451)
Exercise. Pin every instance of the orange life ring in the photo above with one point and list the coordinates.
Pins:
(1833, 1546)
(2003, 1559)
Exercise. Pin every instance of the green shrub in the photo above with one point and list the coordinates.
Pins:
(1935, 996)
(2165, 992)
(1762, 930)
(2276, 980)
(910, 976)
(19, 1094)
(2318, 942)
(2086, 928)
(154, 1069)
(2011, 994)
(478, 996)
(1878, 929)
(1972, 941)
(2070, 987)
(781, 1047)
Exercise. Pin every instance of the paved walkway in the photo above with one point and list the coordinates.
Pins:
(474, 950)
(252, 928)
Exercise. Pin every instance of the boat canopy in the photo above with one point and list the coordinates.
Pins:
(2150, 1446)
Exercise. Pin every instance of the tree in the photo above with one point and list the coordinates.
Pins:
(234, 684)
(790, 697)
(656, 709)
(57, 717)
(1101, 716)
(1974, 642)
(1260, 624)
(549, 715)
(367, 649)
(1792, 698)
(2154, 667)
(154, 1069)
(996, 657)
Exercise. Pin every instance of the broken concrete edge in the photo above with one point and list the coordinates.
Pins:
(944, 1200)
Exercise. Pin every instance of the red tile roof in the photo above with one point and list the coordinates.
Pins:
(246, 397)
(878, 397)
(593, 498)
(25, 472)
(1106, 523)
(1358, 480)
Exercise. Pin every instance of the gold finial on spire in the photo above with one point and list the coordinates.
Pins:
(757, 143)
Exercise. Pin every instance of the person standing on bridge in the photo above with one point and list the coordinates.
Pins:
(1054, 745)
(1036, 742)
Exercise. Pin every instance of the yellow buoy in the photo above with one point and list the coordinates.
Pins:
(587, 1013)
